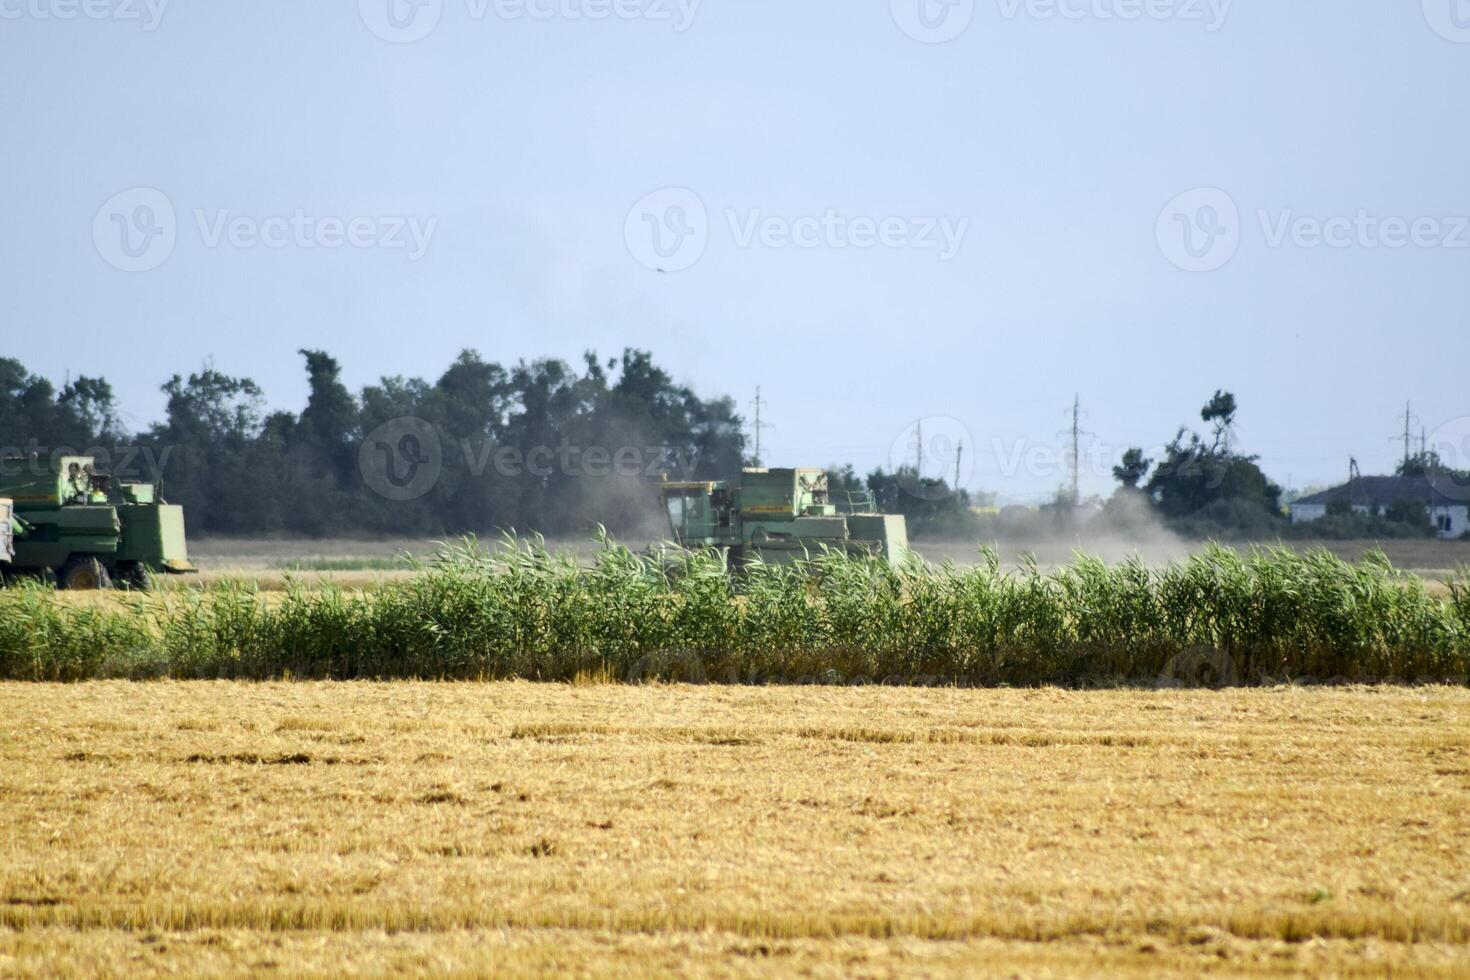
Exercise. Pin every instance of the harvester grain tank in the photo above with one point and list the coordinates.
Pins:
(86, 530)
(778, 515)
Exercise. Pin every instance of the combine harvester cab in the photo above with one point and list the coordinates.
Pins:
(7, 534)
(780, 515)
(86, 532)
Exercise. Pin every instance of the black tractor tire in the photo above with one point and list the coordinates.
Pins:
(82, 573)
(133, 576)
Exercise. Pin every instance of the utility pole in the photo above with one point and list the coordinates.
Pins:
(1074, 453)
(959, 454)
(919, 447)
(760, 404)
(1408, 417)
(1076, 450)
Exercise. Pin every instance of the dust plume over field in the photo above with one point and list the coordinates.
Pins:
(1127, 529)
(321, 828)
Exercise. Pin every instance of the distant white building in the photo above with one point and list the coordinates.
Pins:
(1447, 501)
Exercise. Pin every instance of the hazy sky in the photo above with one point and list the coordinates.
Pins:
(877, 211)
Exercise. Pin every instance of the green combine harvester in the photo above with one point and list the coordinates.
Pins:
(780, 515)
(85, 531)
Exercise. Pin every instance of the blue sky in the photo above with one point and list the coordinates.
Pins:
(327, 181)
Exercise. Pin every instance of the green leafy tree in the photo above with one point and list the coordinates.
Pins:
(1220, 413)
(1132, 469)
(1209, 483)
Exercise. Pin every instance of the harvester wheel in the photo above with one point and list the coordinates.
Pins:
(81, 573)
(133, 576)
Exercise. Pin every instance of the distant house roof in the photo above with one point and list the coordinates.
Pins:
(1380, 491)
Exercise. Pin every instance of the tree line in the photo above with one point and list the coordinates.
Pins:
(1203, 487)
(554, 448)
(483, 447)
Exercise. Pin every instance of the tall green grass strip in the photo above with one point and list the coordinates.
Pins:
(519, 611)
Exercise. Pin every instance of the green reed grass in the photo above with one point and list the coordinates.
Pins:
(519, 611)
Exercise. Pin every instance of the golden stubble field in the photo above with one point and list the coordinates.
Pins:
(327, 828)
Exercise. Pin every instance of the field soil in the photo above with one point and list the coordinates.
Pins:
(609, 830)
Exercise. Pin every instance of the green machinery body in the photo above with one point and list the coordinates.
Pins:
(66, 514)
(778, 515)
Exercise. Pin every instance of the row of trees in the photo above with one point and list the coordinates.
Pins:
(482, 447)
(538, 446)
(1203, 487)
(548, 447)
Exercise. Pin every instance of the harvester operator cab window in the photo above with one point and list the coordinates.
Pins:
(76, 483)
(677, 509)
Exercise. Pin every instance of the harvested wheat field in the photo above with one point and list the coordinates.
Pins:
(621, 830)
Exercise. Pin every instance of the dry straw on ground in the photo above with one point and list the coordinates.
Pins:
(628, 830)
